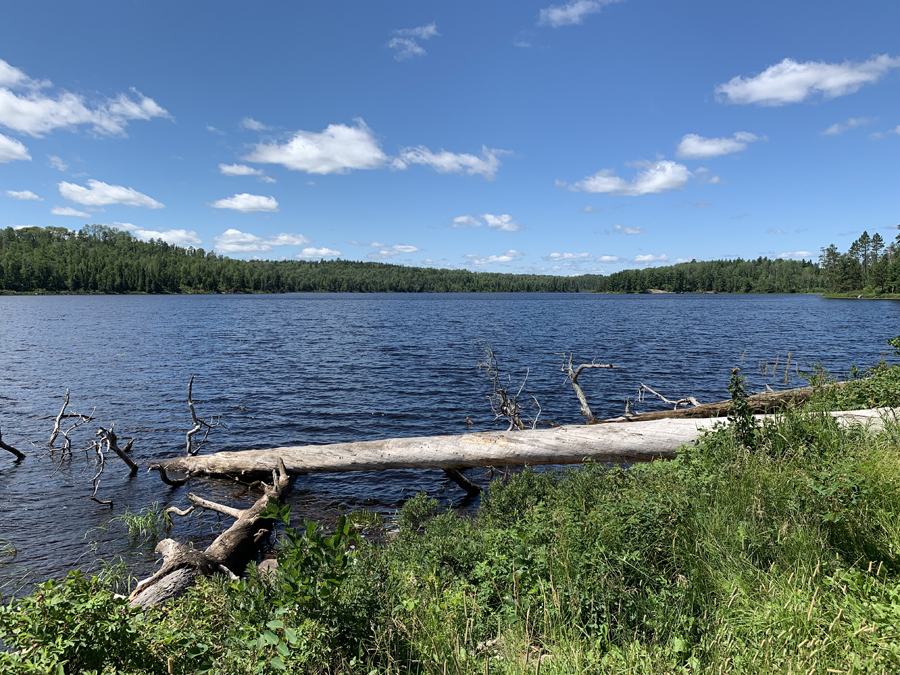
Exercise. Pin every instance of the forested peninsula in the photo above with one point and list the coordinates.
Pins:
(100, 259)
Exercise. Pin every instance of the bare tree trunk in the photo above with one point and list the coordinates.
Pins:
(228, 554)
(634, 442)
(572, 376)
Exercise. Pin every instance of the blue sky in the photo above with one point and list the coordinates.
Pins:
(587, 136)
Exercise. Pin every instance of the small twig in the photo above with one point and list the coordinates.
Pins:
(682, 401)
(199, 423)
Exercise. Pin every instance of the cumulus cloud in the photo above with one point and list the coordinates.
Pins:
(795, 254)
(183, 238)
(793, 82)
(33, 112)
(451, 162)
(245, 203)
(68, 211)
(571, 13)
(318, 253)
(509, 256)
(12, 150)
(100, 194)
(649, 259)
(838, 128)
(608, 259)
(405, 45)
(693, 146)
(239, 170)
(628, 230)
(659, 176)
(556, 257)
(235, 241)
(55, 162)
(503, 222)
(386, 251)
(253, 125)
(24, 195)
(337, 149)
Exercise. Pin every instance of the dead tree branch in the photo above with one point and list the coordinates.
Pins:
(172, 482)
(108, 437)
(59, 419)
(503, 403)
(682, 401)
(572, 376)
(10, 448)
(228, 554)
(199, 424)
(79, 420)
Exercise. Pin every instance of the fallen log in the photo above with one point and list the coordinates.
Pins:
(574, 444)
(765, 402)
(229, 554)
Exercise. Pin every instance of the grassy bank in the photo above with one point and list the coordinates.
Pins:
(759, 550)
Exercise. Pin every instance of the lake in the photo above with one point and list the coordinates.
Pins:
(325, 368)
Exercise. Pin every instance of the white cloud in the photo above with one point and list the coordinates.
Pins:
(211, 129)
(183, 238)
(337, 149)
(628, 230)
(462, 222)
(795, 254)
(245, 203)
(556, 257)
(451, 162)
(693, 146)
(509, 256)
(385, 251)
(68, 211)
(253, 125)
(882, 134)
(705, 177)
(775, 230)
(235, 241)
(503, 222)
(838, 128)
(608, 259)
(55, 162)
(792, 82)
(571, 13)
(659, 176)
(239, 170)
(591, 209)
(650, 259)
(35, 113)
(318, 253)
(24, 195)
(405, 47)
(422, 32)
(103, 194)
(12, 150)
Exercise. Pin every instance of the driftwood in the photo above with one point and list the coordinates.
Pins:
(9, 448)
(635, 442)
(572, 376)
(765, 402)
(229, 554)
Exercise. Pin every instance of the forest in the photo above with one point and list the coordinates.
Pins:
(100, 259)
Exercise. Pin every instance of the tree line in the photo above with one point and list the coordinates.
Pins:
(869, 266)
(100, 259)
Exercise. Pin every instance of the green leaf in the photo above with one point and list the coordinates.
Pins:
(275, 624)
(277, 663)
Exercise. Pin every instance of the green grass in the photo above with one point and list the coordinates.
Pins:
(779, 558)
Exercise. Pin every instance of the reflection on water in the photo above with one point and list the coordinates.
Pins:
(322, 368)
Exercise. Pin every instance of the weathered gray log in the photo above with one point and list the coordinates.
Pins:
(635, 442)
(229, 553)
(766, 402)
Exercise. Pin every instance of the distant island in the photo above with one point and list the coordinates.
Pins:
(100, 259)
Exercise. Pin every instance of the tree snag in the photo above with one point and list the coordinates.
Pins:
(228, 554)
(504, 404)
(572, 376)
(682, 401)
(199, 424)
(9, 448)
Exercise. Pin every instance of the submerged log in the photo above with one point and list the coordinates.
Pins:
(229, 554)
(635, 442)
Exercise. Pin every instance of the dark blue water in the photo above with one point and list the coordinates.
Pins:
(322, 368)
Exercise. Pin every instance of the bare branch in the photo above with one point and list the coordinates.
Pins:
(572, 376)
(504, 405)
(10, 448)
(682, 401)
(199, 424)
(101, 463)
(215, 506)
(109, 438)
(59, 418)
(471, 488)
(173, 482)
